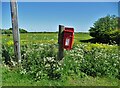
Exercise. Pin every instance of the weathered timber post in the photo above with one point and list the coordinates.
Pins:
(16, 35)
(60, 43)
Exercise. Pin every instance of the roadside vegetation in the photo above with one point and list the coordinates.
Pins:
(87, 64)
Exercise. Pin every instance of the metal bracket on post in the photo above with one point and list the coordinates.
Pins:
(16, 35)
(60, 43)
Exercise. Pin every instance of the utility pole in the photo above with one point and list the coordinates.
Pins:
(60, 43)
(16, 35)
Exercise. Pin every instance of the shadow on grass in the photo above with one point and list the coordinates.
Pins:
(92, 40)
(6, 55)
(103, 41)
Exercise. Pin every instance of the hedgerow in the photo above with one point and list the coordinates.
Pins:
(40, 61)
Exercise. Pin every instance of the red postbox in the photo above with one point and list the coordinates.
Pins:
(68, 37)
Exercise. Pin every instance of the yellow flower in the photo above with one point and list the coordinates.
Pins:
(9, 43)
(88, 48)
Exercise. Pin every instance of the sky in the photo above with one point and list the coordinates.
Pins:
(64, 0)
(47, 16)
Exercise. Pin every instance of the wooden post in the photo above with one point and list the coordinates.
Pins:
(16, 35)
(60, 43)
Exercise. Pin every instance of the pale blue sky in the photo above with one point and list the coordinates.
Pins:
(46, 16)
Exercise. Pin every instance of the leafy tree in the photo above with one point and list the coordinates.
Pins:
(9, 31)
(106, 29)
(4, 31)
(22, 30)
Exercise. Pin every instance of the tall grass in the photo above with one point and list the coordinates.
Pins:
(40, 61)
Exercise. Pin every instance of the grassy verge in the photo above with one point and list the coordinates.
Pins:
(13, 78)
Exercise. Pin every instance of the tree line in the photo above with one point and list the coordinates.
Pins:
(9, 31)
(106, 29)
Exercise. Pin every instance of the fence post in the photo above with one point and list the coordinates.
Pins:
(16, 35)
(60, 43)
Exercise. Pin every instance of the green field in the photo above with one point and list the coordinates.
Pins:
(27, 38)
(87, 64)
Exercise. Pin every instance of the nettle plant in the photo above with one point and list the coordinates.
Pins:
(40, 61)
(95, 60)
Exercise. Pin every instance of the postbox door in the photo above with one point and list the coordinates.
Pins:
(68, 38)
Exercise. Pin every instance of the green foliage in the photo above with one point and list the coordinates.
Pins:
(4, 31)
(22, 30)
(14, 78)
(106, 29)
(74, 70)
(40, 61)
(96, 60)
(9, 31)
